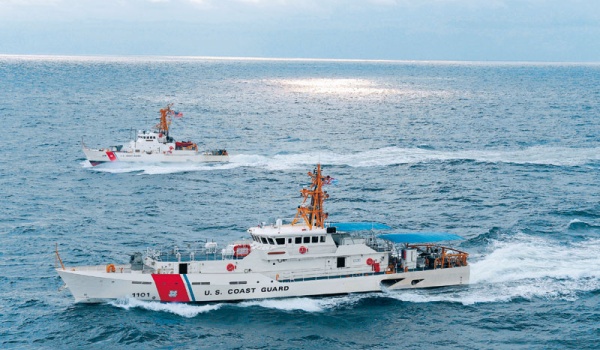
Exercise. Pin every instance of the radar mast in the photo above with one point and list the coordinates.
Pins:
(165, 120)
(312, 211)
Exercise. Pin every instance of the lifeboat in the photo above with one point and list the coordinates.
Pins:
(184, 145)
(241, 250)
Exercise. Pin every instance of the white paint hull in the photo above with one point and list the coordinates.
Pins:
(280, 260)
(90, 286)
(96, 157)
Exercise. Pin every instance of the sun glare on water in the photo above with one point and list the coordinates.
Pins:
(336, 86)
(354, 88)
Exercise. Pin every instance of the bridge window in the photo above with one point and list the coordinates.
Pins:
(322, 239)
(298, 240)
(306, 239)
(280, 241)
(315, 239)
(271, 241)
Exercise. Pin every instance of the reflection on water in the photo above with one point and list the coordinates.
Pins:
(335, 86)
(351, 87)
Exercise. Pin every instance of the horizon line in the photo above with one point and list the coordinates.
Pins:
(141, 58)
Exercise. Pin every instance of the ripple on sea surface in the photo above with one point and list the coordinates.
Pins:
(504, 155)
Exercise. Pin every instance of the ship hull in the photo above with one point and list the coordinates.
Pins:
(89, 286)
(96, 157)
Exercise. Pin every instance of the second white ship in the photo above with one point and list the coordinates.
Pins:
(154, 146)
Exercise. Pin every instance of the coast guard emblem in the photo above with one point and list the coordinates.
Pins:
(172, 294)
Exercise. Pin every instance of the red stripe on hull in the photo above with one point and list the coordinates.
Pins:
(111, 156)
(171, 287)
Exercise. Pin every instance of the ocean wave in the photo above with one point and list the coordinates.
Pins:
(184, 310)
(306, 304)
(577, 224)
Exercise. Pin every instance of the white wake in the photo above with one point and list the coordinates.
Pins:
(184, 310)
(556, 156)
(523, 267)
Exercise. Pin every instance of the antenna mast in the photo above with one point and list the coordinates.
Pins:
(165, 120)
(313, 213)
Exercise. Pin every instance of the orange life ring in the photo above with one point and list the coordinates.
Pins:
(110, 268)
(370, 261)
(230, 267)
(303, 250)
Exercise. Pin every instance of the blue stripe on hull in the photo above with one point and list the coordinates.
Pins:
(189, 287)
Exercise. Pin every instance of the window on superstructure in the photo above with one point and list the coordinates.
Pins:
(289, 241)
(315, 239)
(271, 241)
(307, 239)
(298, 240)
(264, 240)
(322, 239)
(280, 241)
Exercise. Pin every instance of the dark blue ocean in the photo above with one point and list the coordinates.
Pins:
(506, 155)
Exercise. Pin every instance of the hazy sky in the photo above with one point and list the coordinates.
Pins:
(479, 30)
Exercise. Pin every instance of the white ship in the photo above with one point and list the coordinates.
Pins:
(154, 146)
(305, 257)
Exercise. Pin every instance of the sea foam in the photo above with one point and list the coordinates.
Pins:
(523, 267)
(556, 156)
(184, 310)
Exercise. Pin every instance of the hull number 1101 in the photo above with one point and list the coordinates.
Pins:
(140, 295)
